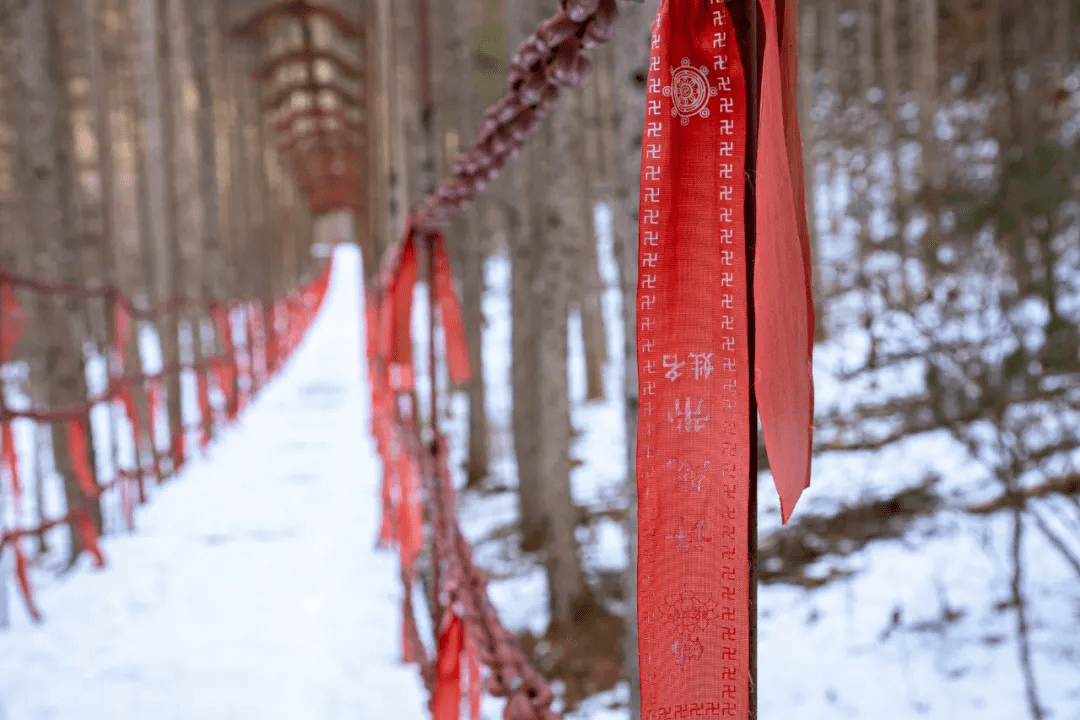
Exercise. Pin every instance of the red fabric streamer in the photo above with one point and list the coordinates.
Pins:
(694, 450)
(121, 331)
(400, 300)
(22, 576)
(12, 321)
(205, 413)
(11, 458)
(407, 654)
(474, 678)
(155, 393)
(128, 399)
(179, 456)
(127, 503)
(83, 525)
(79, 450)
(783, 311)
(446, 705)
(457, 352)
(227, 370)
(371, 326)
(410, 516)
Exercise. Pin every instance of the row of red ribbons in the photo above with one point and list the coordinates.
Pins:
(417, 485)
(272, 332)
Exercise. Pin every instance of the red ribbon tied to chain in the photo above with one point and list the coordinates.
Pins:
(446, 705)
(12, 320)
(695, 420)
(121, 332)
(457, 352)
(79, 451)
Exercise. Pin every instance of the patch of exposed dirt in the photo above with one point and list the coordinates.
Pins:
(787, 555)
(586, 656)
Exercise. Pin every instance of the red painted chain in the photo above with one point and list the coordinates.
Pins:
(550, 58)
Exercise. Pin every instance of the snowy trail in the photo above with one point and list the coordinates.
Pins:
(251, 588)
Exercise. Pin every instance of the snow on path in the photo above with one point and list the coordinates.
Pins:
(251, 588)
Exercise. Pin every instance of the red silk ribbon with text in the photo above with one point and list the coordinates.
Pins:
(693, 452)
(696, 428)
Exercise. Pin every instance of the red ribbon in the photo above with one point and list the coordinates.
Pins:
(121, 332)
(12, 321)
(410, 516)
(457, 352)
(227, 369)
(79, 449)
(203, 389)
(22, 576)
(695, 425)
(474, 679)
(178, 451)
(83, 525)
(693, 450)
(398, 344)
(446, 705)
(11, 458)
(11, 461)
(783, 311)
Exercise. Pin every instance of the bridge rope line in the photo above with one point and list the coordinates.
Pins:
(271, 332)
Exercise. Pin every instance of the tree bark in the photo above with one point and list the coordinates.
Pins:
(49, 180)
(630, 75)
(524, 254)
(171, 269)
(558, 246)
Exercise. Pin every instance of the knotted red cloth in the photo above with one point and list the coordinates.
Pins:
(12, 320)
(695, 424)
(446, 705)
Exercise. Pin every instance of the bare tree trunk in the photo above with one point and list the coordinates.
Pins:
(807, 72)
(630, 72)
(927, 23)
(171, 270)
(524, 255)
(569, 599)
(213, 253)
(890, 70)
(49, 181)
(580, 198)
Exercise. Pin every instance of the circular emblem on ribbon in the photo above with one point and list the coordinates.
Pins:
(690, 91)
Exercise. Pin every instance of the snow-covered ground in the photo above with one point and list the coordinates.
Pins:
(921, 628)
(251, 588)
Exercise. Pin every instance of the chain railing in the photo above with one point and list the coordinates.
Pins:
(271, 331)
